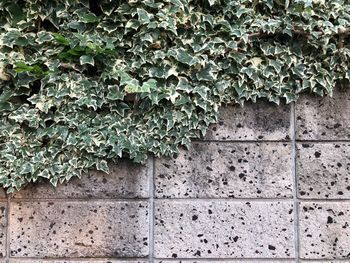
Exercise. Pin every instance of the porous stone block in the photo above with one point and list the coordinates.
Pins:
(125, 180)
(254, 121)
(323, 170)
(325, 261)
(3, 225)
(324, 230)
(325, 118)
(79, 229)
(225, 261)
(218, 229)
(241, 170)
(2, 193)
(73, 261)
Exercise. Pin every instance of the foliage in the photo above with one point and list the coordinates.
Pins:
(83, 82)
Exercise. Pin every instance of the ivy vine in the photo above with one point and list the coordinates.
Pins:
(83, 82)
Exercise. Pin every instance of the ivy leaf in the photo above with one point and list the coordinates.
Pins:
(143, 16)
(114, 93)
(102, 165)
(87, 59)
(43, 37)
(89, 18)
(15, 12)
(60, 39)
(85, 82)
(184, 57)
(26, 168)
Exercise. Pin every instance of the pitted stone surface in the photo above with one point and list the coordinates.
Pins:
(79, 229)
(324, 118)
(325, 261)
(3, 225)
(325, 230)
(125, 180)
(323, 170)
(226, 261)
(73, 261)
(255, 121)
(244, 170)
(2, 193)
(218, 229)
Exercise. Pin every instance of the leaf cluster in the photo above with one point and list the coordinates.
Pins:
(83, 82)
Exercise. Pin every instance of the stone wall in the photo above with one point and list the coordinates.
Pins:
(268, 184)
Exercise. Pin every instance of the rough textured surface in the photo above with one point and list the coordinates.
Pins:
(213, 229)
(79, 229)
(228, 199)
(227, 170)
(324, 118)
(225, 261)
(3, 224)
(125, 180)
(324, 170)
(325, 230)
(74, 261)
(325, 261)
(2, 194)
(260, 121)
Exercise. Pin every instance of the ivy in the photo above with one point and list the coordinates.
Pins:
(85, 82)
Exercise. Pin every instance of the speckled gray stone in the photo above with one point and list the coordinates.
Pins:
(3, 225)
(241, 170)
(325, 261)
(323, 170)
(324, 230)
(218, 229)
(2, 193)
(255, 121)
(79, 229)
(323, 118)
(225, 261)
(73, 261)
(125, 180)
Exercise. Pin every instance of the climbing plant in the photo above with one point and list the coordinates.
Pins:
(84, 82)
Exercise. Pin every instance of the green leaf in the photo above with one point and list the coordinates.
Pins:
(88, 82)
(143, 16)
(89, 18)
(87, 59)
(15, 12)
(114, 93)
(102, 165)
(60, 39)
(43, 37)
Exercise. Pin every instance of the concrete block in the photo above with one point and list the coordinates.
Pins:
(323, 170)
(255, 121)
(324, 230)
(234, 170)
(3, 225)
(74, 261)
(225, 261)
(325, 118)
(325, 261)
(218, 229)
(125, 180)
(79, 229)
